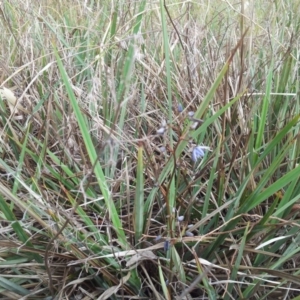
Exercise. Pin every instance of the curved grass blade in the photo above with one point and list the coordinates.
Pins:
(93, 157)
(9, 285)
(163, 282)
(237, 264)
(18, 228)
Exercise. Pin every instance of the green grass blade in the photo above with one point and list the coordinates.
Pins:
(9, 285)
(237, 264)
(139, 197)
(23, 237)
(93, 157)
(264, 112)
(163, 282)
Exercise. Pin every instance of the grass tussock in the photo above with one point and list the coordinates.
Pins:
(149, 150)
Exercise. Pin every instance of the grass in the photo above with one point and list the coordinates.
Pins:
(149, 150)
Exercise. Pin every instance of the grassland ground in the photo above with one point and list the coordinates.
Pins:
(149, 149)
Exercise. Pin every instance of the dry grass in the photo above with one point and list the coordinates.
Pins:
(99, 195)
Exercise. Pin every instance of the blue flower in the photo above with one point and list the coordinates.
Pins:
(162, 149)
(179, 108)
(157, 238)
(161, 131)
(166, 245)
(191, 114)
(188, 233)
(180, 218)
(199, 152)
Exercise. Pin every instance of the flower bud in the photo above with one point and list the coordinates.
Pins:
(180, 218)
(179, 108)
(161, 131)
(189, 234)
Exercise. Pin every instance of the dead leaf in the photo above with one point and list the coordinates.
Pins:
(11, 99)
(139, 256)
(112, 290)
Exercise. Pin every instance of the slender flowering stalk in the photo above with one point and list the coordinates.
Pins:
(199, 152)
(200, 121)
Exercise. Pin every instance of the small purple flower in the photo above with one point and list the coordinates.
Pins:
(179, 108)
(166, 245)
(191, 114)
(180, 218)
(194, 125)
(161, 131)
(199, 152)
(189, 234)
(157, 238)
(162, 149)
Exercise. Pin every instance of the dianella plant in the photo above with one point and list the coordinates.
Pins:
(149, 150)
